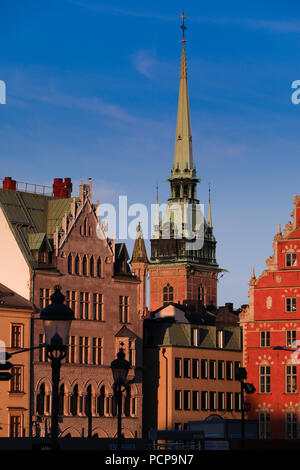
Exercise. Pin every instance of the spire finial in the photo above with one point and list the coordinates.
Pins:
(209, 218)
(183, 27)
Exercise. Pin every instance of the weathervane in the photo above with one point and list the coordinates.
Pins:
(183, 27)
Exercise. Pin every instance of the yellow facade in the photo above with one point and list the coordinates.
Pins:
(15, 331)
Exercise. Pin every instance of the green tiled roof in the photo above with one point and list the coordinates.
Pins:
(32, 217)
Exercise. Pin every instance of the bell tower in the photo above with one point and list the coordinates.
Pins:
(182, 271)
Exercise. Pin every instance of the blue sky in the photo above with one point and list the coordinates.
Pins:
(92, 91)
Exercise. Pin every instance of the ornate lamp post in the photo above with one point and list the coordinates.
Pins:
(120, 368)
(57, 318)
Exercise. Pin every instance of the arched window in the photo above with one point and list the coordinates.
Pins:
(127, 402)
(177, 191)
(100, 401)
(84, 265)
(114, 406)
(92, 266)
(168, 294)
(86, 227)
(40, 400)
(99, 267)
(70, 267)
(77, 265)
(61, 397)
(74, 401)
(88, 401)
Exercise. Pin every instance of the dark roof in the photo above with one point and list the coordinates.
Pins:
(32, 217)
(10, 299)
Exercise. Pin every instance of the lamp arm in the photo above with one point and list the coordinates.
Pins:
(42, 345)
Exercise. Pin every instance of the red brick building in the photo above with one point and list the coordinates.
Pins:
(50, 239)
(272, 319)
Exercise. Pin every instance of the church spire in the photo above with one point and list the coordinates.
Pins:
(183, 155)
(209, 218)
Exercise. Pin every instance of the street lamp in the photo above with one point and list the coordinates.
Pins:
(120, 368)
(241, 375)
(57, 318)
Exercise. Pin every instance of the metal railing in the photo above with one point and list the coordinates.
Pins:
(31, 188)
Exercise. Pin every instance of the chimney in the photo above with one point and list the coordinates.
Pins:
(62, 189)
(9, 183)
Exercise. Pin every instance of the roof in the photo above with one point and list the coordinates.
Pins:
(125, 332)
(32, 218)
(139, 254)
(10, 299)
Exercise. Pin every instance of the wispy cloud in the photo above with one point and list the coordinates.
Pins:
(274, 26)
(120, 11)
(271, 25)
(144, 62)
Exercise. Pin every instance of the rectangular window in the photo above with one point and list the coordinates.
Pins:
(291, 304)
(237, 365)
(81, 306)
(68, 299)
(221, 370)
(204, 369)
(44, 298)
(221, 401)
(291, 259)
(291, 338)
(16, 336)
(237, 401)
(72, 349)
(131, 351)
(229, 370)
(41, 350)
(15, 427)
(265, 339)
(291, 426)
(80, 355)
(124, 309)
(204, 400)
(100, 351)
(264, 425)
(86, 305)
(195, 366)
(97, 307)
(178, 399)
(86, 350)
(229, 403)
(178, 366)
(187, 399)
(291, 379)
(73, 301)
(187, 368)
(212, 401)
(196, 396)
(212, 369)
(16, 383)
(264, 379)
